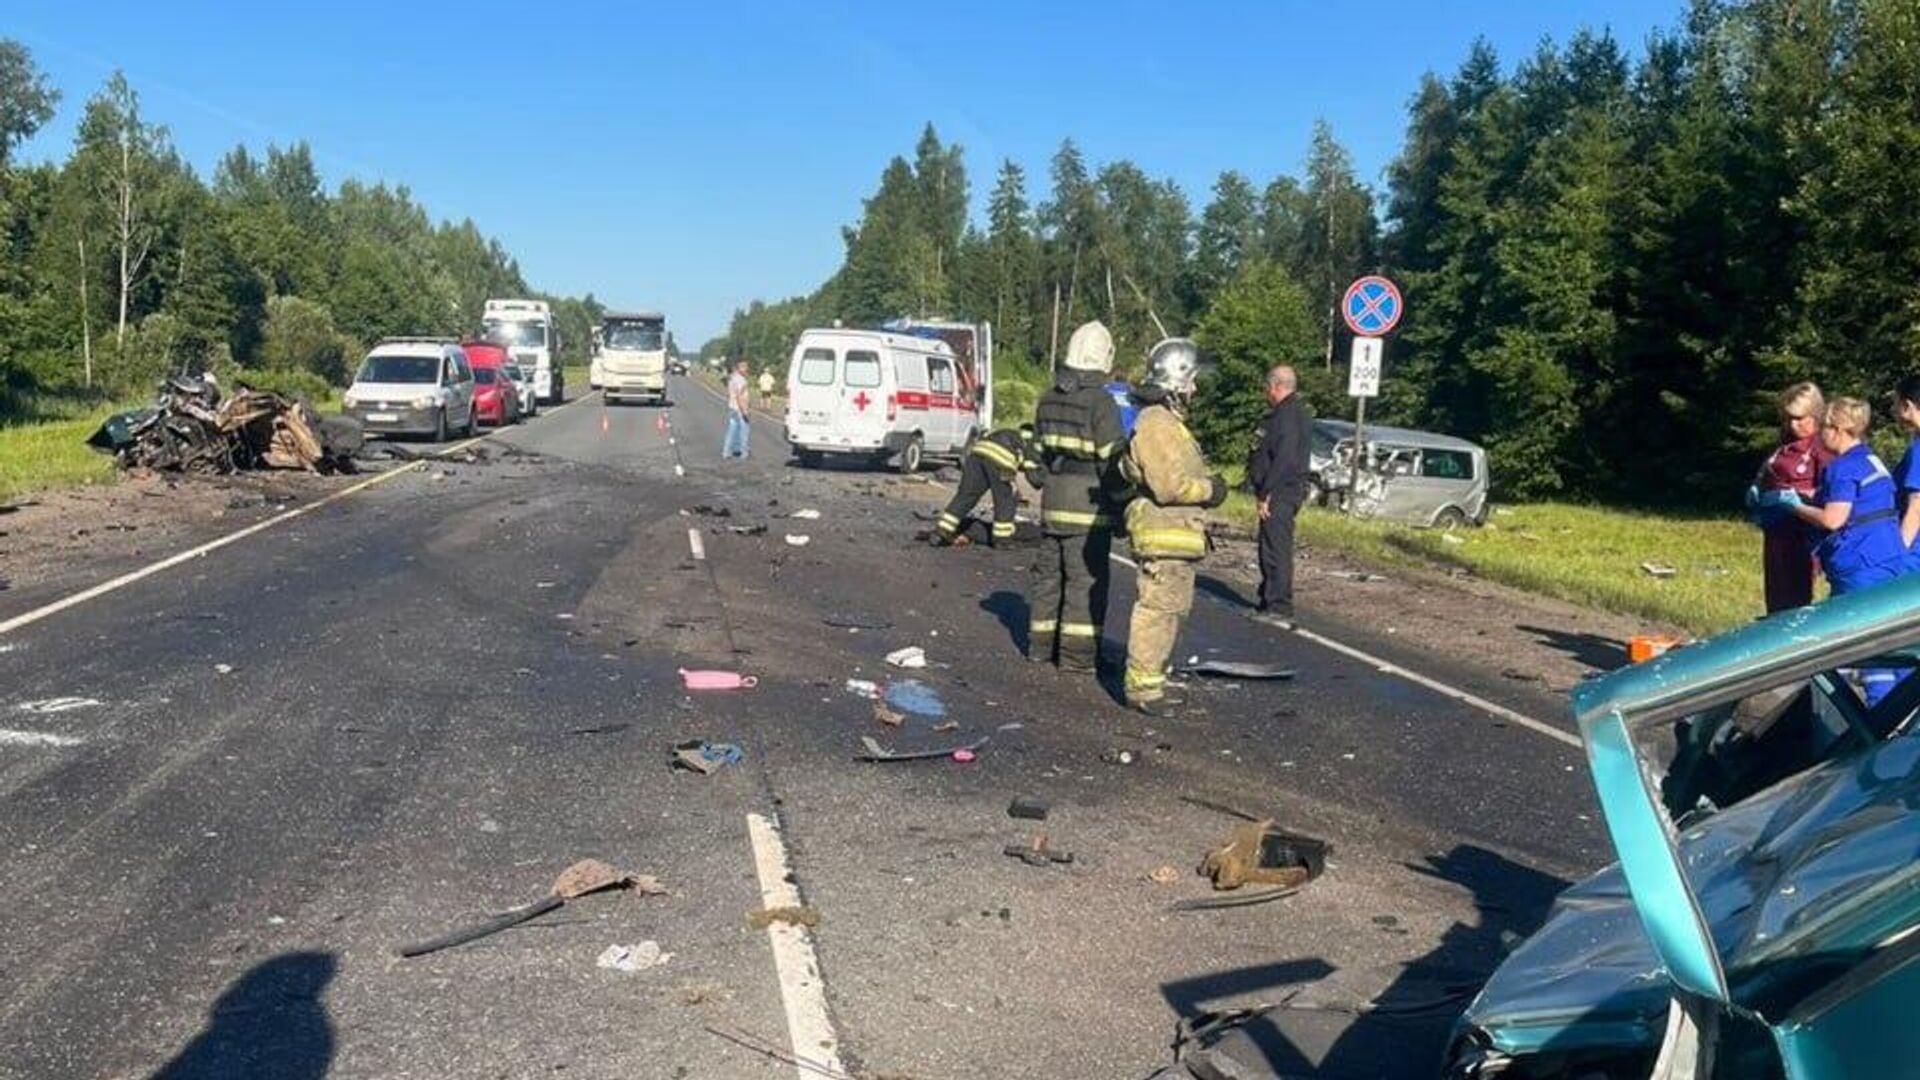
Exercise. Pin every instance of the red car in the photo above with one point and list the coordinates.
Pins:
(495, 398)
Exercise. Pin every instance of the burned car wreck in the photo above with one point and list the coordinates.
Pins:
(191, 427)
(1761, 922)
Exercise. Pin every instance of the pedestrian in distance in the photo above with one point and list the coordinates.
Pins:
(1786, 544)
(1167, 518)
(735, 443)
(766, 386)
(1278, 470)
(1853, 507)
(1078, 428)
(989, 467)
(1906, 475)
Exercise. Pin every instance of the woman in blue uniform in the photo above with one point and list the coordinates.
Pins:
(1854, 504)
(1906, 475)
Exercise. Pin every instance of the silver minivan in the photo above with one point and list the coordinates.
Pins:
(1414, 477)
(413, 386)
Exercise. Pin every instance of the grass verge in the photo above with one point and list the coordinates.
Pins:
(51, 454)
(1584, 555)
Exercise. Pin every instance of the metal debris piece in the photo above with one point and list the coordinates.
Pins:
(705, 758)
(1258, 852)
(1038, 853)
(875, 752)
(1658, 570)
(1163, 875)
(583, 877)
(1029, 808)
(1235, 669)
(633, 958)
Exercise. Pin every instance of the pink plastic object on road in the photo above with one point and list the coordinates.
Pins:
(963, 755)
(717, 680)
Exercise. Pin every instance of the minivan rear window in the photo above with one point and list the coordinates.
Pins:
(1446, 464)
(816, 367)
(863, 369)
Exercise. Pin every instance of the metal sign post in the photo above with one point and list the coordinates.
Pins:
(1371, 308)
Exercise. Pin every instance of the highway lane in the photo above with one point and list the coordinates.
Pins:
(217, 874)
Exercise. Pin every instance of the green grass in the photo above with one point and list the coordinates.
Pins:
(52, 454)
(1584, 555)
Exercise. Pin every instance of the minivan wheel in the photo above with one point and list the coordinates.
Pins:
(910, 456)
(812, 459)
(440, 425)
(1450, 519)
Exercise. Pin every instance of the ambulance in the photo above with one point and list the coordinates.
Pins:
(895, 395)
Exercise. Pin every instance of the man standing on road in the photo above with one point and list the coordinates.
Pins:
(735, 444)
(1277, 468)
(1167, 519)
(1078, 428)
(766, 387)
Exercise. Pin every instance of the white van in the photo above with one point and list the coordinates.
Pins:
(880, 395)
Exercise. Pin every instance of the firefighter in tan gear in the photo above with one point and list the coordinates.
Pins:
(1166, 521)
(1077, 424)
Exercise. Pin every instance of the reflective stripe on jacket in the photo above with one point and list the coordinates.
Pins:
(1077, 427)
(1168, 518)
(1005, 450)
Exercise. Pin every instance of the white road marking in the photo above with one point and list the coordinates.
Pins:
(698, 545)
(27, 618)
(802, 990)
(14, 737)
(56, 704)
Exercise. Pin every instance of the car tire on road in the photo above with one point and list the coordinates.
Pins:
(440, 425)
(910, 456)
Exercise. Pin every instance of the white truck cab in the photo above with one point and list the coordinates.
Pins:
(527, 329)
(896, 394)
(633, 357)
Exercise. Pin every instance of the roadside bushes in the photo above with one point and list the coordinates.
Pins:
(299, 337)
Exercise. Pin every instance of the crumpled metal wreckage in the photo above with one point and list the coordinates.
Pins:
(191, 427)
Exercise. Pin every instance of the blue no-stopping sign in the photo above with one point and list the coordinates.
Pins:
(1372, 306)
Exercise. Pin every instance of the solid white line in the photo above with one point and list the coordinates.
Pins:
(12, 737)
(27, 618)
(802, 990)
(698, 545)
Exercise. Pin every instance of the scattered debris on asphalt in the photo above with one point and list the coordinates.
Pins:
(1257, 852)
(1037, 853)
(876, 752)
(888, 716)
(747, 530)
(1234, 669)
(1029, 809)
(1119, 756)
(190, 428)
(633, 958)
(798, 540)
(583, 877)
(800, 915)
(964, 756)
(705, 510)
(57, 705)
(1163, 874)
(600, 729)
(916, 697)
(705, 758)
(865, 688)
(717, 680)
(1358, 577)
(913, 656)
(223, 669)
(856, 622)
(805, 515)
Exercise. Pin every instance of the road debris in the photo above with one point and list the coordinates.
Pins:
(223, 669)
(865, 688)
(798, 540)
(583, 877)
(805, 515)
(705, 758)
(964, 756)
(747, 530)
(717, 680)
(633, 958)
(1028, 808)
(601, 729)
(800, 915)
(190, 428)
(913, 656)
(916, 697)
(876, 752)
(57, 705)
(1163, 874)
(1119, 756)
(1234, 669)
(1259, 853)
(1358, 577)
(856, 622)
(888, 716)
(1658, 570)
(706, 510)
(1037, 853)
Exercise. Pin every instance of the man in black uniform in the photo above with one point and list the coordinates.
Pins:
(990, 464)
(1077, 425)
(1278, 470)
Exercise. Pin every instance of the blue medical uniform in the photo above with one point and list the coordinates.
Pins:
(1867, 549)
(1122, 395)
(1906, 481)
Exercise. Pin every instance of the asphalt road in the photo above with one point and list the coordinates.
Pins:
(415, 706)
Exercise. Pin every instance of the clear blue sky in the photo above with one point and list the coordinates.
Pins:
(693, 156)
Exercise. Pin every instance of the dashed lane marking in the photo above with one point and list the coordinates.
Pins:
(95, 592)
(816, 1049)
(13, 737)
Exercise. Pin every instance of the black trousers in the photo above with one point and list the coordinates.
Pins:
(1276, 558)
(977, 478)
(1067, 599)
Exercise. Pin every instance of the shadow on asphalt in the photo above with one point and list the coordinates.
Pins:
(1599, 653)
(1401, 1033)
(1220, 590)
(1011, 609)
(271, 1023)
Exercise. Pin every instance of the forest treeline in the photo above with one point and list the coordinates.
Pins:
(1612, 258)
(120, 264)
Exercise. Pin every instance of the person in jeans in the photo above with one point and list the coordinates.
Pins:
(735, 444)
(1277, 468)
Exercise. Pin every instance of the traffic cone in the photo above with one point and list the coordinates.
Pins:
(603, 423)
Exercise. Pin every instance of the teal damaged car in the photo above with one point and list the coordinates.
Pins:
(1761, 922)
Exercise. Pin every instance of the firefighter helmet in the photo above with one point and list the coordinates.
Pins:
(1173, 365)
(1090, 348)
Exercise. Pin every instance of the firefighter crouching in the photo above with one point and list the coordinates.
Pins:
(1077, 426)
(1166, 521)
(990, 465)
